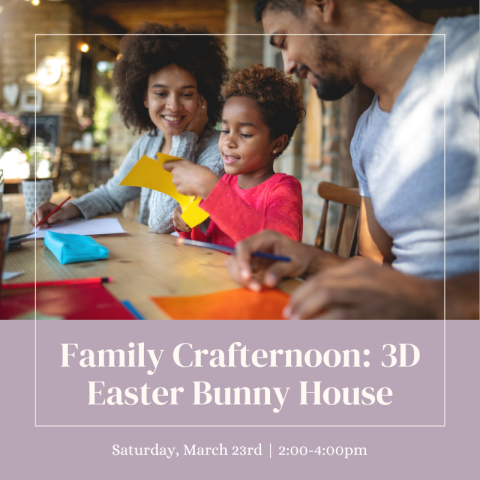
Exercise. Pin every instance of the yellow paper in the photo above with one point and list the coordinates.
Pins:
(193, 214)
(149, 173)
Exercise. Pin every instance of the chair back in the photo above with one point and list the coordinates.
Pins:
(346, 197)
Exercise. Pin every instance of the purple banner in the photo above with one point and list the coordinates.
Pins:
(276, 438)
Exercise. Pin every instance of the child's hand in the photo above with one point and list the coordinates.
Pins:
(191, 179)
(178, 222)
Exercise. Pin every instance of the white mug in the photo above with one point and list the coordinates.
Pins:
(36, 192)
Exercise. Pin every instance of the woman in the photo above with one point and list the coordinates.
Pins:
(169, 86)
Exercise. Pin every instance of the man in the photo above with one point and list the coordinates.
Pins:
(411, 203)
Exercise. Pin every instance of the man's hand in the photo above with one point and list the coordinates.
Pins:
(360, 289)
(252, 271)
(67, 212)
(178, 222)
(191, 179)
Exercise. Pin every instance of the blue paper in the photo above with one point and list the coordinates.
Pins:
(70, 248)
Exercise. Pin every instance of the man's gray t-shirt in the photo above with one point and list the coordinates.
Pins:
(420, 166)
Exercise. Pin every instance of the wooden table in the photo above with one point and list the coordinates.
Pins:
(142, 263)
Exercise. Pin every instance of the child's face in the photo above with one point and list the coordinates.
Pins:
(245, 142)
(171, 99)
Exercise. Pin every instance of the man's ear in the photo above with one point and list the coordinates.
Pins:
(321, 9)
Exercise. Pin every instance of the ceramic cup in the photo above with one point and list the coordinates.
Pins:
(44, 192)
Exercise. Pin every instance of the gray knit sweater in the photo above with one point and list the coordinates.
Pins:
(156, 209)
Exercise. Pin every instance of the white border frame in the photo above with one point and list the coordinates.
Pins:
(444, 244)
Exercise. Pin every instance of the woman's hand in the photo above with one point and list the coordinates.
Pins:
(198, 122)
(191, 179)
(178, 222)
(67, 212)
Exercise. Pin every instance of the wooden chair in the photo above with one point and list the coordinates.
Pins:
(346, 197)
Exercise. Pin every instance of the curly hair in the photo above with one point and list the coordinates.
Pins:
(157, 46)
(277, 97)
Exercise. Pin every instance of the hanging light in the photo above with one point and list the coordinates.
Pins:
(84, 47)
(35, 3)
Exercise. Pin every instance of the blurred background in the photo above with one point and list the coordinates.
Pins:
(80, 138)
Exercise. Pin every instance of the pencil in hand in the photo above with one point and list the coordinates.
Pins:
(52, 212)
(225, 249)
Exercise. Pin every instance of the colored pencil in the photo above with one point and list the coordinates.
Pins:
(132, 310)
(223, 248)
(53, 211)
(57, 283)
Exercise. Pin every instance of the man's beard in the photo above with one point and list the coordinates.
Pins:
(335, 81)
(332, 88)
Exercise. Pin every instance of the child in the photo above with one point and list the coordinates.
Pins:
(262, 110)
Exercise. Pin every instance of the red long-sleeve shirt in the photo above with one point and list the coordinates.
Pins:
(235, 214)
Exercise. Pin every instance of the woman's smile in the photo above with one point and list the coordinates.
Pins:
(173, 119)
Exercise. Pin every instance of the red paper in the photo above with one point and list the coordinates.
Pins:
(237, 304)
(73, 302)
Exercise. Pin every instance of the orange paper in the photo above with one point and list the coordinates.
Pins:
(237, 304)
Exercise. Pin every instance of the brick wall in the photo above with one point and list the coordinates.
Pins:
(324, 169)
(243, 51)
(121, 138)
(18, 55)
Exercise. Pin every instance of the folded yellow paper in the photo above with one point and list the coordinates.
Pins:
(193, 215)
(149, 173)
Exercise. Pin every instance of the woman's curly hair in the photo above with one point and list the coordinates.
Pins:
(202, 56)
(277, 97)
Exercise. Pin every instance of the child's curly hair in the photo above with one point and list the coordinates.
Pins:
(277, 97)
(202, 56)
